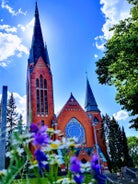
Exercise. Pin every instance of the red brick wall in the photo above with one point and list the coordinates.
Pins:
(75, 111)
(41, 69)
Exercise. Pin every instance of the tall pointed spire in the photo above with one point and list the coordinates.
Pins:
(37, 48)
(90, 102)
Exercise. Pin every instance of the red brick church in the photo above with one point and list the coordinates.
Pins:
(72, 120)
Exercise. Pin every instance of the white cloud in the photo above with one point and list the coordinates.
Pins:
(27, 29)
(114, 11)
(22, 27)
(3, 64)
(8, 28)
(28, 26)
(120, 115)
(10, 45)
(99, 46)
(95, 55)
(4, 5)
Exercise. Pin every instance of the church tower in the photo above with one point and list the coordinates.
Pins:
(94, 115)
(40, 105)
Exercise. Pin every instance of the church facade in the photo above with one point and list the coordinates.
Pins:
(73, 120)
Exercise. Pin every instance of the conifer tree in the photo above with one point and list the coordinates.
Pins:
(12, 118)
(127, 160)
(117, 148)
(104, 136)
(20, 124)
(113, 144)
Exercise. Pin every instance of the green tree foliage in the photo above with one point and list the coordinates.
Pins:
(12, 118)
(117, 147)
(20, 124)
(126, 157)
(119, 65)
(133, 149)
(12, 115)
(115, 151)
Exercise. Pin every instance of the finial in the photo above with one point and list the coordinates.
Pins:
(36, 8)
(86, 75)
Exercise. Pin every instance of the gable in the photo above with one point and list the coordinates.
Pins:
(72, 116)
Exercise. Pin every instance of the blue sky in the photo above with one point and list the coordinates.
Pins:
(75, 31)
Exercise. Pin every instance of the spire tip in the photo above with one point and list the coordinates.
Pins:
(36, 8)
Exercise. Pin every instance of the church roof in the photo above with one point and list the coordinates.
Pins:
(38, 48)
(90, 102)
(71, 105)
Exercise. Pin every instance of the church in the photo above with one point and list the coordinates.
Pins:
(73, 120)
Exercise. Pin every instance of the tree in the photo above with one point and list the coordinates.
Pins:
(127, 159)
(133, 149)
(106, 126)
(119, 65)
(117, 148)
(12, 118)
(20, 124)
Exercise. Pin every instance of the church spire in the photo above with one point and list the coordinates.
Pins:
(90, 102)
(36, 9)
(38, 48)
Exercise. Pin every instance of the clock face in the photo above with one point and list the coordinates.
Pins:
(75, 129)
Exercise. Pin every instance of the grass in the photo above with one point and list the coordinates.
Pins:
(30, 181)
(41, 181)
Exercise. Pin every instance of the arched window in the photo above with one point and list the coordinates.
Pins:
(95, 120)
(38, 101)
(41, 81)
(41, 96)
(46, 101)
(37, 83)
(42, 101)
(75, 129)
(45, 83)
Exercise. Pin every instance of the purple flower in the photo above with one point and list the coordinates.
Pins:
(75, 164)
(95, 158)
(78, 178)
(43, 129)
(41, 157)
(40, 139)
(34, 128)
(95, 165)
(40, 136)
